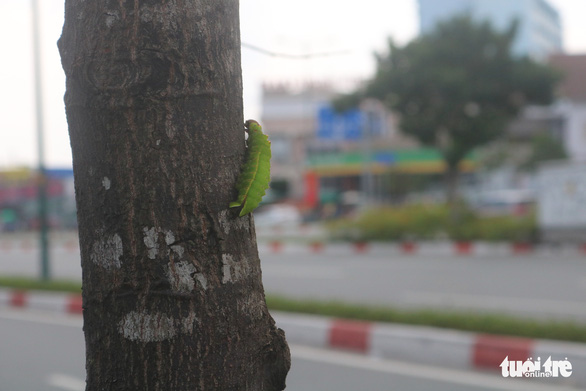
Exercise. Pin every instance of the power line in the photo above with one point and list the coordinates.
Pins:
(293, 56)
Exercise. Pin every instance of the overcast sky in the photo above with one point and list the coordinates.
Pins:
(356, 29)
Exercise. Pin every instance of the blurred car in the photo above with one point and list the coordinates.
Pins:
(277, 215)
(506, 202)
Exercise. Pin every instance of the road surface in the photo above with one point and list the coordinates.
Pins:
(535, 285)
(539, 285)
(45, 352)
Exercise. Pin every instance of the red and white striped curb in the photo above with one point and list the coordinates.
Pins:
(285, 246)
(55, 302)
(427, 345)
(29, 244)
(419, 248)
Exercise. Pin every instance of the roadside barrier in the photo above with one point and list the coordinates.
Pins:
(277, 246)
(431, 346)
(70, 245)
(54, 302)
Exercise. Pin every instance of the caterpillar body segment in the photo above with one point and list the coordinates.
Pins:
(256, 172)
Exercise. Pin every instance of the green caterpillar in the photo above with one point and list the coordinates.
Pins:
(256, 172)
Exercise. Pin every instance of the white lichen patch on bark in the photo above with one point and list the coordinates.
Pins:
(169, 237)
(227, 225)
(227, 262)
(106, 252)
(111, 18)
(170, 127)
(232, 270)
(202, 280)
(143, 326)
(179, 250)
(151, 242)
(188, 323)
(106, 183)
(252, 305)
(223, 219)
(181, 276)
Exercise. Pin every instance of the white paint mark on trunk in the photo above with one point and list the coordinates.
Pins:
(150, 240)
(181, 276)
(106, 183)
(106, 252)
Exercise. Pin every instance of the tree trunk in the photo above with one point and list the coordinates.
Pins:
(452, 175)
(172, 291)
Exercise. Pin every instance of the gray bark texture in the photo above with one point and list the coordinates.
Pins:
(172, 290)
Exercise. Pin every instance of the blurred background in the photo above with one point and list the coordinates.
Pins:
(427, 155)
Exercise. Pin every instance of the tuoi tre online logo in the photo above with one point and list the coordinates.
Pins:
(530, 368)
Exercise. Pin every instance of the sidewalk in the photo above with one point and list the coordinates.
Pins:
(416, 344)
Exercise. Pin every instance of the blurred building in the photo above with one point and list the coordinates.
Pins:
(324, 157)
(289, 117)
(19, 202)
(571, 103)
(565, 119)
(539, 34)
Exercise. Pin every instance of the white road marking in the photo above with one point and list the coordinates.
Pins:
(496, 303)
(66, 382)
(420, 371)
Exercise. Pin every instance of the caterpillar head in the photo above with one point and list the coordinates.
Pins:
(252, 126)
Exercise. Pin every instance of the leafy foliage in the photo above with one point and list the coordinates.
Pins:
(431, 222)
(457, 87)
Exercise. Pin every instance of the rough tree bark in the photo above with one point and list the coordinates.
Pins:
(172, 291)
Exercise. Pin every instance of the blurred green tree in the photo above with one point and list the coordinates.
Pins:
(456, 88)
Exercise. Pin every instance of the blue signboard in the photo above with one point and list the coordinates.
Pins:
(345, 126)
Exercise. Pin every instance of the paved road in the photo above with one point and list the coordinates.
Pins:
(45, 352)
(537, 285)
(533, 285)
(40, 352)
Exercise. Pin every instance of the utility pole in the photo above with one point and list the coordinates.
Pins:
(42, 177)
